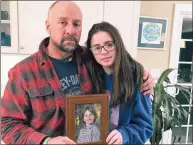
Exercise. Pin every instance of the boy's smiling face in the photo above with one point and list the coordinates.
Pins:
(88, 118)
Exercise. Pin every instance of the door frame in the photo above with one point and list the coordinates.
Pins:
(180, 11)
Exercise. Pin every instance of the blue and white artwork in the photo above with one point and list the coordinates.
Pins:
(152, 32)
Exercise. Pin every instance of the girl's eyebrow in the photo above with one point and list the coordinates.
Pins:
(103, 43)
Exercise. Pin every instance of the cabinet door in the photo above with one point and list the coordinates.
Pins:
(124, 15)
(9, 27)
(32, 17)
(32, 29)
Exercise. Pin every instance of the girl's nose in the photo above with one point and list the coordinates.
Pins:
(103, 50)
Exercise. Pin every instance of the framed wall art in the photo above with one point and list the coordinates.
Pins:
(152, 33)
(87, 118)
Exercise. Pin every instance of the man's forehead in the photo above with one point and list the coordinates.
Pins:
(66, 14)
(69, 11)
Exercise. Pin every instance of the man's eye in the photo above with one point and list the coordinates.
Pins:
(61, 22)
(76, 25)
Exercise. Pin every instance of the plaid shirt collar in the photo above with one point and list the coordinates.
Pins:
(42, 53)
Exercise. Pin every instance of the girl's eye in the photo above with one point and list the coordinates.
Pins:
(109, 44)
(97, 48)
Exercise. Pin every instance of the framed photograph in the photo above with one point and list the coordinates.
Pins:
(152, 33)
(87, 118)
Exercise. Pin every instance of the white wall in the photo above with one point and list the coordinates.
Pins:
(124, 15)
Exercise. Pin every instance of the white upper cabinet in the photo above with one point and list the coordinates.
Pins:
(32, 17)
(27, 22)
(32, 29)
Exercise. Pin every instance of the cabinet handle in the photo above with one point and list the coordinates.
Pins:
(21, 47)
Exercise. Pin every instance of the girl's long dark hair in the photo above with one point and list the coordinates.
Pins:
(127, 73)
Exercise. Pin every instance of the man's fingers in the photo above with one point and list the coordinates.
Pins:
(145, 74)
(148, 85)
(147, 92)
(68, 141)
(146, 88)
(145, 84)
(60, 140)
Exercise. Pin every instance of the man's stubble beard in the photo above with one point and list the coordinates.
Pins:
(65, 48)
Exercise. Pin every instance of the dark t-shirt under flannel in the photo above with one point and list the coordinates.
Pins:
(67, 72)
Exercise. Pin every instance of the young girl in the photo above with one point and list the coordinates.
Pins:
(89, 133)
(113, 68)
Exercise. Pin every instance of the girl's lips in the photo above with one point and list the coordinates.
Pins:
(106, 58)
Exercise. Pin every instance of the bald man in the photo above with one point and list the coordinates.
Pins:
(33, 104)
(64, 25)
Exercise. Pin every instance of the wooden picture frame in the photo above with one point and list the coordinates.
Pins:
(75, 122)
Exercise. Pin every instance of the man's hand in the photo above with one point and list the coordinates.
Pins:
(114, 137)
(148, 83)
(60, 140)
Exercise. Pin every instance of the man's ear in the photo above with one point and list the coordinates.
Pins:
(47, 26)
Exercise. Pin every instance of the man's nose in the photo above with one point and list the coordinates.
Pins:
(70, 29)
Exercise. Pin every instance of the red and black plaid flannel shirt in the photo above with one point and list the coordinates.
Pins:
(33, 103)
